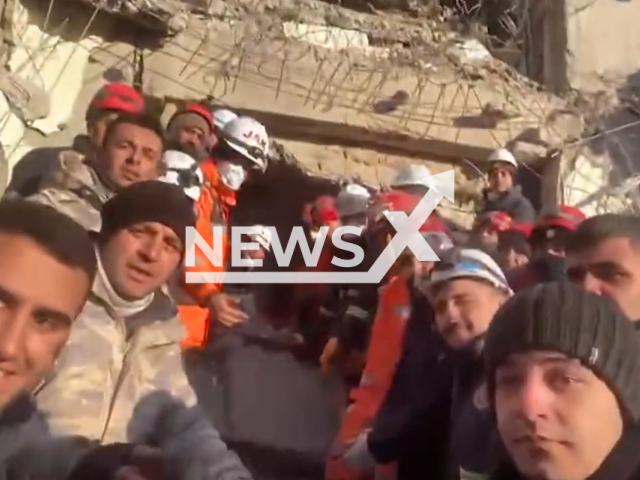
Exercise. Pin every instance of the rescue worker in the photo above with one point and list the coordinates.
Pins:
(221, 117)
(487, 229)
(399, 436)
(352, 308)
(131, 152)
(502, 193)
(563, 378)
(548, 241)
(191, 128)
(514, 249)
(385, 344)
(413, 179)
(604, 258)
(467, 289)
(122, 363)
(242, 153)
(183, 171)
(110, 101)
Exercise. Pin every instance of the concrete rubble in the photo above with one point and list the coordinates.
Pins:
(347, 101)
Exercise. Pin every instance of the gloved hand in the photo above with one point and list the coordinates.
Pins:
(121, 461)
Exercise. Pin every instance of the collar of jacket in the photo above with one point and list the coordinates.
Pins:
(155, 315)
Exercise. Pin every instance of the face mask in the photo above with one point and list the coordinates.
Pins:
(233, 176)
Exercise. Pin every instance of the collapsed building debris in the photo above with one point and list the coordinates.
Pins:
(341, 103)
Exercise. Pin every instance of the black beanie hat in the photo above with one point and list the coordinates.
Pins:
(151, 201)
(565, 318)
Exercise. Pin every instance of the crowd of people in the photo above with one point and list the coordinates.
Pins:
(515, 356)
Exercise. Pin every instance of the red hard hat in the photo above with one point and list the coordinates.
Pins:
(198, 109)
(568, 217)
(118, 97)
(395, 201)
(499, 221)
(525, 228)
(324, 208)
(398, 201)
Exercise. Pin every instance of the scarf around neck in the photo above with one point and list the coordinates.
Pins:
(121, 307)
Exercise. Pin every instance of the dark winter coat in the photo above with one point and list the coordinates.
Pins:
(512, 202)
(413, 424)
(27, 449)
(475, 446)
(550, 268)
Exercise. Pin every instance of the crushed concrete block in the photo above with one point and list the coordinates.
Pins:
(469, 51)
(526, 152)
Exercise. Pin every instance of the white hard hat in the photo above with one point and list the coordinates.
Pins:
(184, 171)
(262, 236)
(352, 200)
(503, 155)
(222, 116)
(413, 174)
(249, 138)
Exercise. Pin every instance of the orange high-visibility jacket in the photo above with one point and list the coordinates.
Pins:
(383, 354)
(212, 209)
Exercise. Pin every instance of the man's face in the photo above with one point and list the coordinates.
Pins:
(141, 258)
(500, 179)
(512, 259)
(464, 309)
(610, 268)
(39, 298)
(193, 137)
(131, 154)
(488, 235)
(556, 418)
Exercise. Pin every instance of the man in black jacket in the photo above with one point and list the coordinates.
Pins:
(444, 429)
(563, 377)
(503, 195)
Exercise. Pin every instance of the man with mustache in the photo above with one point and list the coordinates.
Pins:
(563, 376)
(131, 152)
(111, 100)
(124, 346)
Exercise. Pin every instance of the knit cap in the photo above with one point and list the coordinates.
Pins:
(151, 201)
(564, 318)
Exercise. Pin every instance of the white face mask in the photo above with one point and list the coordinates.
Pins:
(233, 176)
